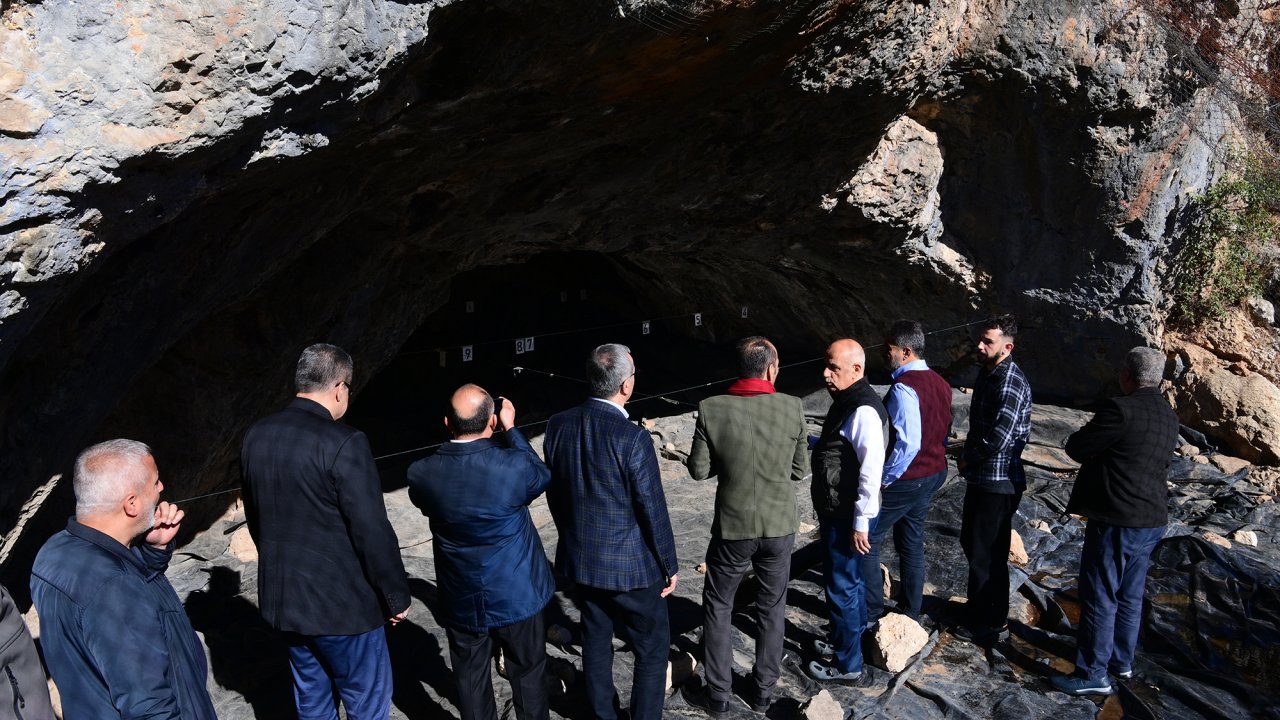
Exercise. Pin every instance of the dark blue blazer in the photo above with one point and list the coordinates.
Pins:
(607, 500)
(115, 636)
(490, 565)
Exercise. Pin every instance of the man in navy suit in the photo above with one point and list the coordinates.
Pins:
(615, 537)
(493, 574)
(329, 570)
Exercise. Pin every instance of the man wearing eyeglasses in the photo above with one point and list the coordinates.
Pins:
(329, 567)
(616, 542)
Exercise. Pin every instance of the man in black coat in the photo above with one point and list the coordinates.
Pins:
(329, 567)
(1124, 452)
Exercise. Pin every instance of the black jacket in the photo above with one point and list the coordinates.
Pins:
(836, 468)
(1124, 454)
(328, 561)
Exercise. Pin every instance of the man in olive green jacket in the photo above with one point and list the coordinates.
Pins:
(753, 440)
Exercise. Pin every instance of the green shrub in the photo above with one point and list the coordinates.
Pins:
(1221, 262)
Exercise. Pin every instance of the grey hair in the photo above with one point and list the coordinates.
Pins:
(610, 366)
(322, 366)
(106, 473)
(1145, 366)
(907, 334)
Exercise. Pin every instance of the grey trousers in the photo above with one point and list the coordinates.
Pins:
(727, 562)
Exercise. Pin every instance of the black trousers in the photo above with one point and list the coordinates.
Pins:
(640, 616)
(525, 648)
(727, 562)
(984, 534)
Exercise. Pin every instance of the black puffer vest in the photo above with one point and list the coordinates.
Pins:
(835, 465)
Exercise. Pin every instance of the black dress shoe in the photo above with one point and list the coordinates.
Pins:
(980, 634)
(700, 698)
(761, 703)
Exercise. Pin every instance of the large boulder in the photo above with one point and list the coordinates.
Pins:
(1234, 405)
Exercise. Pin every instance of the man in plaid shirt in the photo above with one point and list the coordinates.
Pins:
(991, 464)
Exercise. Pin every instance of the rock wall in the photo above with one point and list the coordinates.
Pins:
(191, 191)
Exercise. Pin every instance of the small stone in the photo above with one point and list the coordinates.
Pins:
(1263, 310)
(1188, 450)
(670, 447)
(680, 669)
(1216, 539)
(1200, 459)
(558, 635)
(822, 707)
(1230, 465)
(898, 640)
(242, 545)
(701, 569)
(1040, 525)
(1245, 537)
(888, 582)
(648, 423)
(806, 528)
(1264, 499)
(1017, 551)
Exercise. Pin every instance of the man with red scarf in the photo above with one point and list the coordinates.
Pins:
(753, 440)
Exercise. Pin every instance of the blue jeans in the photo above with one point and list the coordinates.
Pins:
(359, 666)
(846, 597)
(641, 616)
(904, 505)
(1113, 577)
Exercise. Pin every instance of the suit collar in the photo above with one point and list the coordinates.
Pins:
(601, 402)
(467, 448)
(311, 406)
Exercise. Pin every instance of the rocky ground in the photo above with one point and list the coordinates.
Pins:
(1211, 631)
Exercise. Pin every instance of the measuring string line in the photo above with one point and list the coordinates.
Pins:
(642, 398)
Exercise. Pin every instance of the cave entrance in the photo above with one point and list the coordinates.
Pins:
(527, 329)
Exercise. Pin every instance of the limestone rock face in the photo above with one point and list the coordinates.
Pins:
(190, 192)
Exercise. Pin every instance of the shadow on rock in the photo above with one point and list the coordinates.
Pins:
(417, 661)
(247, 657)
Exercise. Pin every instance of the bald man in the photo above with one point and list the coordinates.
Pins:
(493, 575)
(848, 463)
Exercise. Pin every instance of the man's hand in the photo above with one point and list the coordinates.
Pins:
(507, 416)
(168, 518)
(395, 619)
(861, 542)
(671, 586)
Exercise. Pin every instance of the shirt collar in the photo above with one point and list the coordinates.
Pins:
(104, 541)
(911, 367)
(621, 409)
